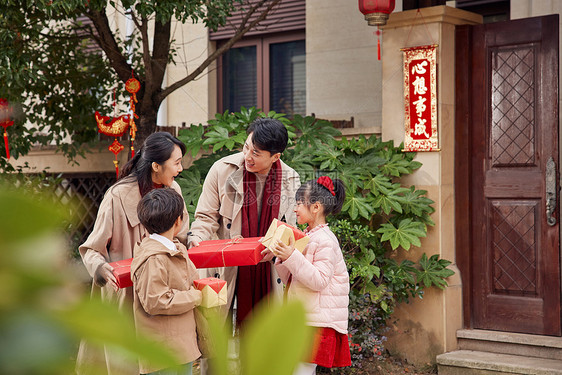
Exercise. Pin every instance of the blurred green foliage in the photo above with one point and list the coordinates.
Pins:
(45, 309)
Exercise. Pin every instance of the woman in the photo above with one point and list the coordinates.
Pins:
(116, 231)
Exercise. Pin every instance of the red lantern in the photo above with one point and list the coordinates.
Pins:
(5, 114)
(376, 11)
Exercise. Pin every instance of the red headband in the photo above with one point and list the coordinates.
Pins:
(327, 183)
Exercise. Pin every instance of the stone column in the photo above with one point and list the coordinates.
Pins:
(427, 327)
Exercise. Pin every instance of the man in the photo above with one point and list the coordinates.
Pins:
(241, 195)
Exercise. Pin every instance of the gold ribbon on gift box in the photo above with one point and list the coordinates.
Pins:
(233, 241)
(284, 232)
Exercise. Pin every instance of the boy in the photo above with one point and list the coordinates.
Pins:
(163, 275)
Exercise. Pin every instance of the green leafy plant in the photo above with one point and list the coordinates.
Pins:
(379, 216)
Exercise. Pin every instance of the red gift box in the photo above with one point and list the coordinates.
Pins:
(213, 291)
(122, 272)
(227, 253)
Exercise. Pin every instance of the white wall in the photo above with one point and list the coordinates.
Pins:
(343, 73)
(193, 103)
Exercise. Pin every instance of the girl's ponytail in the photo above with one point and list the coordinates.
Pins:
(339, 189)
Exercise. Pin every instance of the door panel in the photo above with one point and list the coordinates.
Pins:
(510, 106)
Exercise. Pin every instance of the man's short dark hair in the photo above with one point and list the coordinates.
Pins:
(269, 135)
(159, 209)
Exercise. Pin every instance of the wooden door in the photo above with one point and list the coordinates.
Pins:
(506, 133)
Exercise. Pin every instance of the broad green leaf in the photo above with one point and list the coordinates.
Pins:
(270, 330)
(118, 331)
(16, 220)
(407, 233)
(433, 271)
(357, 206)
(193, 139)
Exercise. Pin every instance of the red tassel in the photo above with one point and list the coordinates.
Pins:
(6, 144)
(379, 44)
(116, 162)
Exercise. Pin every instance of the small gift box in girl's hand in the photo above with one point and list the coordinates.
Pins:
(281, 231)
(227, 253)
(122, 272)
(213, 291)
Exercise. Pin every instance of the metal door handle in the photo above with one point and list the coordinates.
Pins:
(550, 191)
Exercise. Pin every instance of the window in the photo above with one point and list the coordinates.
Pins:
(491, 10)
(267, 72)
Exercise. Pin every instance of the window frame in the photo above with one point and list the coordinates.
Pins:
(262, 44)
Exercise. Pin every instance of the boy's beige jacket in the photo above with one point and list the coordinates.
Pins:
(219, 211)
(116, 231)
(164, 299)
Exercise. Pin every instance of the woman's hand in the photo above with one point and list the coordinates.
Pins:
(282, 251)
(104, 275)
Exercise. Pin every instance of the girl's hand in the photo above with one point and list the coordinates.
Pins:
(283, 251)
(267, 255)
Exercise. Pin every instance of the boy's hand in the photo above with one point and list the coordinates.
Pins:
(104, 275)
(282, 251)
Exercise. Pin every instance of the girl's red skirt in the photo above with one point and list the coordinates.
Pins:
(331, 348)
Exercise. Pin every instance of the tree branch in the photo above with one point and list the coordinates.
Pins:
(145, 48)
(243, 29)
(108, 44)
(160, 53)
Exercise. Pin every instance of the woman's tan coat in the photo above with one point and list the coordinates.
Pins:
(164, 299)
(116, 231)
(219, 211)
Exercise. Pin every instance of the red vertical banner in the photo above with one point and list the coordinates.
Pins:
(420, 98)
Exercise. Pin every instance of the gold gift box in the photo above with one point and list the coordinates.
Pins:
(213, 291)
(283, 232)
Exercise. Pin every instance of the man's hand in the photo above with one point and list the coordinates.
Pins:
(104, 275)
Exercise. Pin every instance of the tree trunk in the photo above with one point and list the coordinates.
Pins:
(146, 125)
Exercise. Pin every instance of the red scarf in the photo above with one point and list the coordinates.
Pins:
(254, 282)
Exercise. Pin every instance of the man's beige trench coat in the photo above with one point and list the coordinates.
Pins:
(116, 231)
(219, 211)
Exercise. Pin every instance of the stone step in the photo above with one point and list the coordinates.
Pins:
(510, 343)
(469, 362)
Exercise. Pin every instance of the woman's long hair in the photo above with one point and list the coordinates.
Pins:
(157, 148)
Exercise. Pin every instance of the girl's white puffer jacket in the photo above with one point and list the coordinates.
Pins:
(320, 280)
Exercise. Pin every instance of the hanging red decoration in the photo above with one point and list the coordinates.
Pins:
(113, 127)
(117, 126)
(379, 45)
(376, 11)
(5, 114)
(132, 86)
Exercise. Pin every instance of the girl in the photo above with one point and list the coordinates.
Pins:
(116, 231)
(318, 276)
